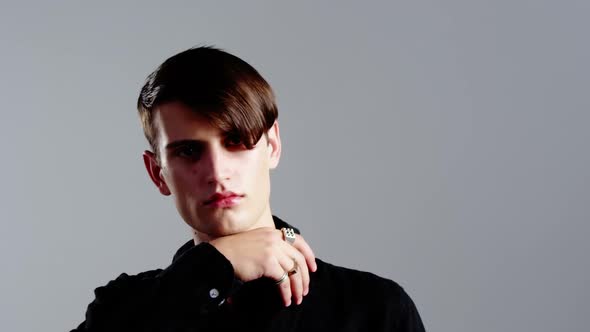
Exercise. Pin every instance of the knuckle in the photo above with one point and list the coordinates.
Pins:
(268, 261)
(299, 257)
(268, 241)
(268, 251)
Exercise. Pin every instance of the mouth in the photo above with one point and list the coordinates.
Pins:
(225, 199)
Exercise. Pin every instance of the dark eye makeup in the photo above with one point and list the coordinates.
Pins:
(188, 151)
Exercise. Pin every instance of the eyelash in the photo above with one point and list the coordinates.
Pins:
(236, 142)
(230, 143)
(180, 152)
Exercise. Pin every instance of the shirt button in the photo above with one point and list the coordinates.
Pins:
(213, 293)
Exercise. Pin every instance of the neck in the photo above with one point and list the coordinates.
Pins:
(265, 220)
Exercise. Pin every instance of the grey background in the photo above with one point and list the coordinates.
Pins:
(442, 144)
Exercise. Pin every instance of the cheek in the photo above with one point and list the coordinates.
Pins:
(259, 177)
(246, 174)
(179, 180)
(256, 166)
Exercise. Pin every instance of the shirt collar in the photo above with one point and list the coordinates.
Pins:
(279, 223)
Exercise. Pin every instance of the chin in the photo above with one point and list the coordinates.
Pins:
(225, 223)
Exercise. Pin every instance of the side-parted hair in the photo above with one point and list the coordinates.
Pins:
(217, 85)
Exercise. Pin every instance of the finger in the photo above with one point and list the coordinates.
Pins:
(302, 270)
(285, 285)
(296, 285)
(297, 250)
(305, 249)
(296, 282)
(285, 289)
(288, 264)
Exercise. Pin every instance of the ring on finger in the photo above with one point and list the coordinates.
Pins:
(288, 234)
(283, 279)
(294, 268)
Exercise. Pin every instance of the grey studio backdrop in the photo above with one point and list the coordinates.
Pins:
(441, 144)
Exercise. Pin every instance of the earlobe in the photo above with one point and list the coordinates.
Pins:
(153, 168)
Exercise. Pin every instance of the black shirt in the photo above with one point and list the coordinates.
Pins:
(191, 293)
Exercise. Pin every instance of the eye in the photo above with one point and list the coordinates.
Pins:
(233, 141)
(189, 152)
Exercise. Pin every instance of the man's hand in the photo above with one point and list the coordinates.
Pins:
(263, 252)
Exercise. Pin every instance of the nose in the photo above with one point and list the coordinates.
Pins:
(216, 165)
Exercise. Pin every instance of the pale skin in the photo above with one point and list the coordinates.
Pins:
(195, 161)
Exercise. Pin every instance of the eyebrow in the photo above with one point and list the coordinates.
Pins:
(176, 144)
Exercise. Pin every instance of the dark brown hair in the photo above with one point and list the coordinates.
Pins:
(223, 88)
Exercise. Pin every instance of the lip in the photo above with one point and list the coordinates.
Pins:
(223, 199)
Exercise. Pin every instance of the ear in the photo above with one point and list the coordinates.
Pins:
(274, 144)
(153, 168)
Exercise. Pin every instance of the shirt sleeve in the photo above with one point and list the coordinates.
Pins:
(193, 286)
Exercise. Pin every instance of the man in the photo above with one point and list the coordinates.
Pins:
(211, 122)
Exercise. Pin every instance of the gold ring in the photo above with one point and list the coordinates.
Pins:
(294, 269)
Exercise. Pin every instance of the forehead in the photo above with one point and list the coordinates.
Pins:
(176, 121)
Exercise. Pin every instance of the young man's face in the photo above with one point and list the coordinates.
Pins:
(197, 161)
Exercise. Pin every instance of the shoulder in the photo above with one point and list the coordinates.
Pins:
(357, 279)
(359, 288)
(362, 299)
